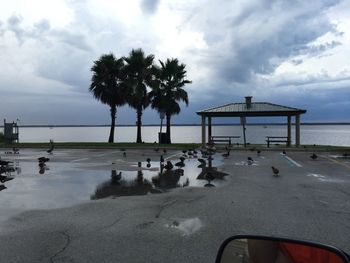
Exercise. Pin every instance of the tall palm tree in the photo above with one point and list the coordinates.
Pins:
(107, 85)
(139, 76)
(168, 92)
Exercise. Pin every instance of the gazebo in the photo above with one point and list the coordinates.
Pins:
(252, 109)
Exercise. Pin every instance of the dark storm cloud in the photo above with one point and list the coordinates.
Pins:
(264, 34)
(149, 6)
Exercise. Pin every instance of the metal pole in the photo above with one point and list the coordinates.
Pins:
(297, 130)
(244, 139)
(289, 130)
(209, 129)
(203, 130)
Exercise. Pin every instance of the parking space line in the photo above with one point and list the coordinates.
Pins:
(335, 161)
(290, 160)
(77, 160)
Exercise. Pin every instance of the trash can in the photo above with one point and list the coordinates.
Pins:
(162, 137)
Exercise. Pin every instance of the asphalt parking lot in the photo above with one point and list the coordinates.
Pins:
(309, 200)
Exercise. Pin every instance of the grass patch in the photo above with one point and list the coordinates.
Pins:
(103, 145)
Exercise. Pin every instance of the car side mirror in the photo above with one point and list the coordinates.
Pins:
(262, 249)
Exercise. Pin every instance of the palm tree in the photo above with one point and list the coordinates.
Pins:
(139, 76)
(107, 85)
(171, 77)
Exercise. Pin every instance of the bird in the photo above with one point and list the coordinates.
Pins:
(164, 151)
(15, 150)
(258, 152)
(184, 151)
(43, 159)
(345, 155)
(168, 165)
(225, 155)
(195, 152)
(161, 159)
(148, 160)
(250, 160)
(51, 147)
(284, 152)
(4, 163)
(202, 161)
(182, 159)
(275, 171)
(180, 164)
(313, 156)
(124, 154)
(3, 178)
(116, 176)
(42, 164)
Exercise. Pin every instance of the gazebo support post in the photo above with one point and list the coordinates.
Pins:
(289, 130)
(203, 131)
(209, 129)
(297, 130)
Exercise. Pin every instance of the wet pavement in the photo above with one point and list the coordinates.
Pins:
(308, 200)
(68, 178)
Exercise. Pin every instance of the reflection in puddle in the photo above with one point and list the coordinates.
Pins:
(187, 226)
(146, 181)
(34, 186)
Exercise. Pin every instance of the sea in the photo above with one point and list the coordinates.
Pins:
(338, 135)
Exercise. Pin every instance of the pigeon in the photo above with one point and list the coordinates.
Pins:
(168, 165)
(148, 160)
(275, 171)
(4, 163)
(225, 155)
(184, 151)
(51, 147)
(345, 155)
(313, 156)
(164, 151)
(258, 152)
(115, 176)
(43, 159)
(182, 159)
(124, 154)
(284, 152)
(195, 152)
(180, 164)
(202, 161)
(250, 160)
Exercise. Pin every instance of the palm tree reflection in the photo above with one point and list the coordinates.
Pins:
(117, 186)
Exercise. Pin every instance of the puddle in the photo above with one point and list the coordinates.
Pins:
(187, 226)
(64, 183)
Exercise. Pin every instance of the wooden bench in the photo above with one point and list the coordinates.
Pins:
(276, 139)
(227, 139)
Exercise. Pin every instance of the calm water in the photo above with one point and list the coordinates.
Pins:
(310, 134)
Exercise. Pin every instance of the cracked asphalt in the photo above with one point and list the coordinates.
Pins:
(310, 201)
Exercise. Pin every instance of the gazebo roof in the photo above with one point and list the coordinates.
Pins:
(255, 109)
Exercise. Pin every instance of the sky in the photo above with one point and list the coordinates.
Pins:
(289, 52)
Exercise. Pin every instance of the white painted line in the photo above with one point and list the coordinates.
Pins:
(77, 160)
(172, 156)
(103, 154)
(291, 160)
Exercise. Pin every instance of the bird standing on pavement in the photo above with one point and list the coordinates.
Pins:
(313, 156)
(168, 165)
(52, 146)
(275, 171)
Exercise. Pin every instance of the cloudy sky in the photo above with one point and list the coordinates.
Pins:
(290, 52)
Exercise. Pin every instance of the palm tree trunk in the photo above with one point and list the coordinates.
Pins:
(168, 125)
(113, 114)
(139, 115)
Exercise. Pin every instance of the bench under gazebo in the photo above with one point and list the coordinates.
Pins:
(252, 109)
